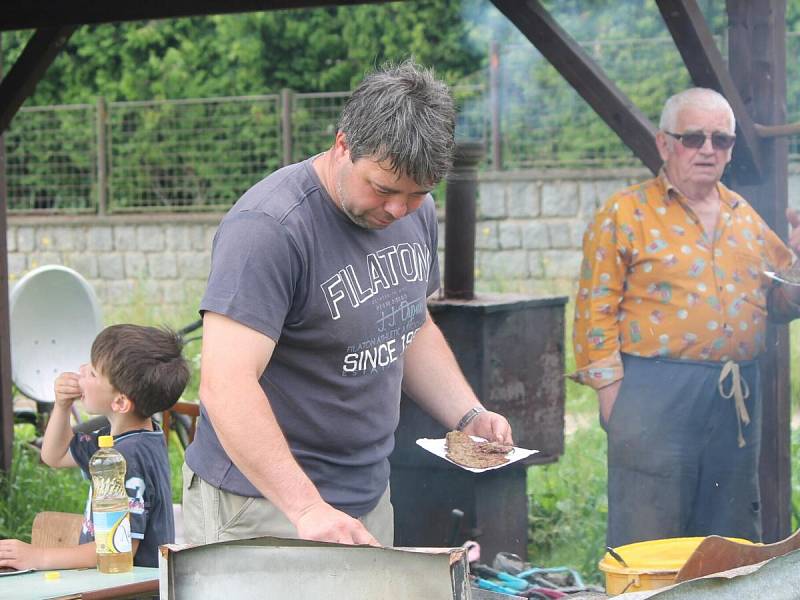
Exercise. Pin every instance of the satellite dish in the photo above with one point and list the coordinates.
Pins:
(54, 317)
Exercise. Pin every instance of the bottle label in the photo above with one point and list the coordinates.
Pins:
(112, 532)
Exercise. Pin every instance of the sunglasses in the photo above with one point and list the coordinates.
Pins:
(696, 139)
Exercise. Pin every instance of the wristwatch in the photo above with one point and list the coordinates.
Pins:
(469, 416)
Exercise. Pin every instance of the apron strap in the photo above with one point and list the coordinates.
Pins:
(739, 390)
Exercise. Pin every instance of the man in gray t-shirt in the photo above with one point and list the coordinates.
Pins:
(314, 318)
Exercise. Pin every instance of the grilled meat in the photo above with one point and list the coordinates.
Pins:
(465, 451)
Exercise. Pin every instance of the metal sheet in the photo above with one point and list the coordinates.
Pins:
(301, 570)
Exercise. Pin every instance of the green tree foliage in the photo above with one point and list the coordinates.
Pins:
(311, 50)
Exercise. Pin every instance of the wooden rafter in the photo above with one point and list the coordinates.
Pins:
(42, 48)
(583, 74)
(32, 14)
(707, 68)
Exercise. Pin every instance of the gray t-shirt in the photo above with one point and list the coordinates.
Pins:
(342, 303)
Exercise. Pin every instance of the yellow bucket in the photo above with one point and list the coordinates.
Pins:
(651, 565)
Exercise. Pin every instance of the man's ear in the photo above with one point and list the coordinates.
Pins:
(340, 145)
(662, 143)
(121, 404)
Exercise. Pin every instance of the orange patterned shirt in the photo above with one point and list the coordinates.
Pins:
(653, 284)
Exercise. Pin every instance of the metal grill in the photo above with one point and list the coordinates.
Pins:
(190, 154)
(51, 159)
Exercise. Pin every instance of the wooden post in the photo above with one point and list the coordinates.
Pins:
(6, 398)
(757, 59)
(494, 105)
(287, 99)
(102, 157)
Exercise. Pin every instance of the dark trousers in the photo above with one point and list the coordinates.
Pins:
(675, 467)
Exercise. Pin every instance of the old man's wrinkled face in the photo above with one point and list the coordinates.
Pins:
(689, 167)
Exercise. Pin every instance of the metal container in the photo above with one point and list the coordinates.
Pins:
(269, 567)
(511, 349)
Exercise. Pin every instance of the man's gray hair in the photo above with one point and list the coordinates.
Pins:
(697, 97)
(404, 115)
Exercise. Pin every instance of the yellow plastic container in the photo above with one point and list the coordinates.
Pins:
(651, 565)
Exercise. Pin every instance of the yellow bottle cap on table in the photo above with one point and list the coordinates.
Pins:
(49, 575)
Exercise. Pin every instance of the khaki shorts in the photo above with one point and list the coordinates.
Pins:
(214, 515)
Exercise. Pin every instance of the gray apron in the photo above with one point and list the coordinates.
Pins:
(682, 457)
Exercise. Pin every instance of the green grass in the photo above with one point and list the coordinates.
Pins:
(568, 506)
(567, 499)
(30, 487)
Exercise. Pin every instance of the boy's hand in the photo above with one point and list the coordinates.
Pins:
(19, 555)
(67, 389)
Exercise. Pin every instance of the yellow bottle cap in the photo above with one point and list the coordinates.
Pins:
(52, 575)
(106, 441)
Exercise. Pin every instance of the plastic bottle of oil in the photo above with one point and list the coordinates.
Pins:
(110, 512)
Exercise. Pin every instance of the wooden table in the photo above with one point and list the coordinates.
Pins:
(87, 584)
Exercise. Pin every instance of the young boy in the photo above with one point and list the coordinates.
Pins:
(135, 372)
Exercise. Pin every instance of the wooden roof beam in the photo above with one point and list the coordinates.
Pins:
(707, 68)
(32, 14)
(583, 74)
(42, 48)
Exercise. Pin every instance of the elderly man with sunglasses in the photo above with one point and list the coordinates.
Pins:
(669, 320)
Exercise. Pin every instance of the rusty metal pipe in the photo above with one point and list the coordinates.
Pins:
(460, 207)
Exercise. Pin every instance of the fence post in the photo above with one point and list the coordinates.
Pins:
(287, 100)
(102, 167)
(494, 101)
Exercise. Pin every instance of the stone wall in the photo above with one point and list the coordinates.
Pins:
(156, 259)
(528, 239)
(530, 224)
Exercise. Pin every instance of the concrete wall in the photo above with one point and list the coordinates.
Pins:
(528, 239)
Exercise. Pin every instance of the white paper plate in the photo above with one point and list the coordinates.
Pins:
(436, 446)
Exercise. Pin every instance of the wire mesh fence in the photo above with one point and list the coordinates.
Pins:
(51, 159)
(189, 154)
(202, 154)
(314, 118)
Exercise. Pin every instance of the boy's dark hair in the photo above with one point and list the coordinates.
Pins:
(144, 363)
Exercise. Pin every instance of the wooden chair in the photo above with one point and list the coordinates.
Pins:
(169, 423)
(56, 529)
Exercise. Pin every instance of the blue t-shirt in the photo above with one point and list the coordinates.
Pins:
(343, 303)
(147, 481)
